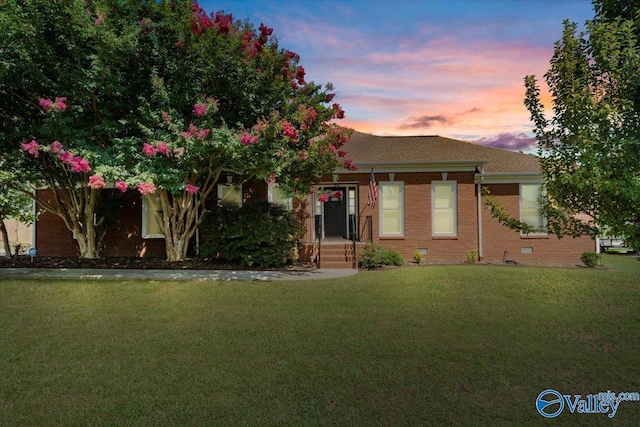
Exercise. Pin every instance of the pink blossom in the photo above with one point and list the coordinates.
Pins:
(200, 109)
(323, 198)
(300, 75)
(339, 114)
(98, 21)
(272, 179)
(80, 165)
(66, 157)
(341, 153)
(304, 155)
(248, 139)
(196, 133)
(32, 148)
(337, 195)
(265, 31)
(191, 188)
(122, 186)
(348, 164)
(330, 97)
(96, 182)
(163, 148)
(146, 188)
(332, 147)
(166, 117)
(56, 147)
(288, 131)
(61, 103)
(46, 104)
(148, 149)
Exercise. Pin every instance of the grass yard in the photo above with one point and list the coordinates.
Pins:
(437, 345)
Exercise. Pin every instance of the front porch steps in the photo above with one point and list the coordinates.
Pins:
(337, 256)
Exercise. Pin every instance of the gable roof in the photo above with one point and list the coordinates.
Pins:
(370, 150)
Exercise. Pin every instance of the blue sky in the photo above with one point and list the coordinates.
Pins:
(451, 68)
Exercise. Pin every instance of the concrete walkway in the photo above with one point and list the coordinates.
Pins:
(219, 275)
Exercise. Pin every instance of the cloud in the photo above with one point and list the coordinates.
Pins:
(425, 122)
(509, 141)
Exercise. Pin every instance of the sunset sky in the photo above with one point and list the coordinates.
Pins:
(451, 68)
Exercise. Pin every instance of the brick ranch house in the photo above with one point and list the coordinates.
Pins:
(429, 198)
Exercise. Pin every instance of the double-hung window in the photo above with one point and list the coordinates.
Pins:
(391, 208)
(444, 217)
(278, 197)
(530, 207)
(151, 214)
(229, 194)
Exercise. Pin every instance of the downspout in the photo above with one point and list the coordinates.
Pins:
(479, 197)
(34, 224)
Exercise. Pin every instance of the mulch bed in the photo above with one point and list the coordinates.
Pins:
(130, 263)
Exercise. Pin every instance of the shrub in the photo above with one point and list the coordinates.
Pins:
(472, 256)
(375, 256)
(417, 256)
(257, 235)
(590, 259)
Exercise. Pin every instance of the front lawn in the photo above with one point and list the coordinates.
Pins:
(436, 345)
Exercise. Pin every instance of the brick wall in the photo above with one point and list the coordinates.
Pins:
(499, 242)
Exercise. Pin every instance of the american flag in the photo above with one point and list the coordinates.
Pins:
(373, 190)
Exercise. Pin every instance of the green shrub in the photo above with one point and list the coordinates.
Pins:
(472, 256)
(258, 235)
(590, 259)
(417, 256)
(375, 256)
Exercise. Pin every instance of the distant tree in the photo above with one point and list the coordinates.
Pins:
(590, 148)
(13, 205)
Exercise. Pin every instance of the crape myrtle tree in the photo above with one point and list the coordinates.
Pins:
(590, 148)
(165, 98)
(69, 85)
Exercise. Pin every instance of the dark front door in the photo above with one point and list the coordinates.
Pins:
(335, 215)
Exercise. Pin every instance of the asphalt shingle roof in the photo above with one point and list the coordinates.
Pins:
(365, 149)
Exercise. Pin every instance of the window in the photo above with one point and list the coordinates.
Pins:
(444, 218)
(229, 194)
(530, 207)
(277, 197)
(391, 208)
(150, 226)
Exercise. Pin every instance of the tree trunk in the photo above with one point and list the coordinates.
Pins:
(5, 239)
(86, 244)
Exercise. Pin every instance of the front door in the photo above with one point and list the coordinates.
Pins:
(335, 215)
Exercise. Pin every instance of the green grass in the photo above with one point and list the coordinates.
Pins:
(436, 345)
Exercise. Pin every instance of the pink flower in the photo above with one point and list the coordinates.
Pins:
(248, 139)
(265, 31)
(80, 165)
(196, 133)
(332, 147)
(341, 153)
(166, 117)
(200, 109)
(272, 179)
(46, 104)
(31, 148)
(330, 97)
(323, 198)
(337, 195)
(300, 75)
(122, 186)
(61, 103)
(55, 147)
(148, 149)
(66, 157)
(304, 155)
(348, 164)
(96, 182)
(98, 21)
(339, 114)
(146, 188)
(163, 148)
(288, 131)
(191, 188)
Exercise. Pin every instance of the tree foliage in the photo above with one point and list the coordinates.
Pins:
(160, 96)
(590, 148)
